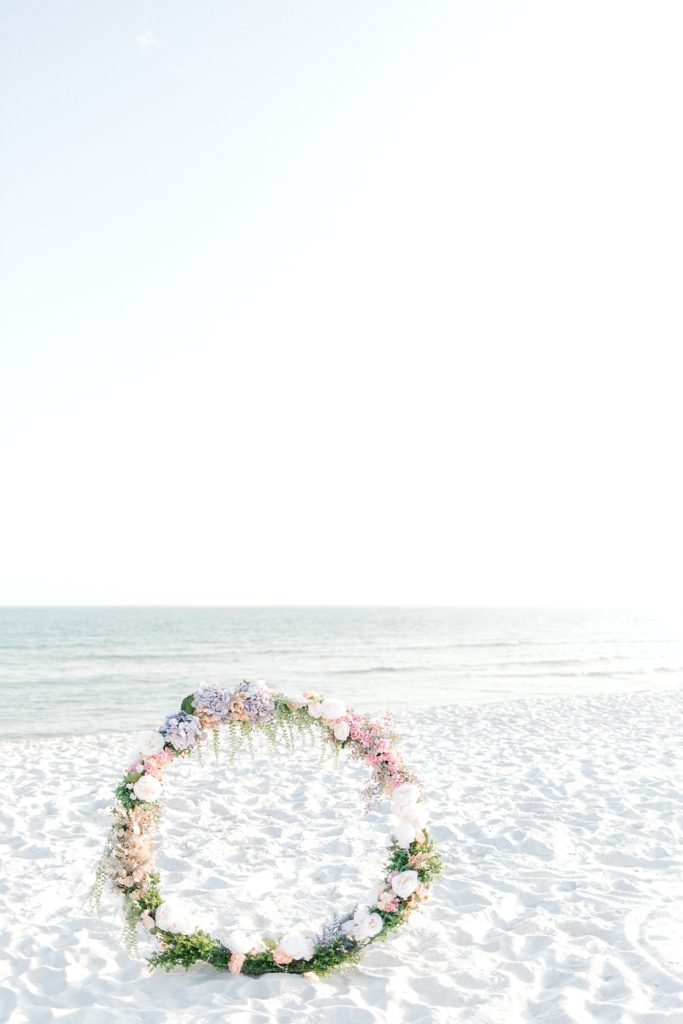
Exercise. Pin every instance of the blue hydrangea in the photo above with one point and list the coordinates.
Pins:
(213, 700)
(182, 730)
(258, 701)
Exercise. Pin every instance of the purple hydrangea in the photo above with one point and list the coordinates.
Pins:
(182, 730)
(258, 701)
(213, 700)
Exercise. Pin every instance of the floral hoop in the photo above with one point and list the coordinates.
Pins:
(128, 860)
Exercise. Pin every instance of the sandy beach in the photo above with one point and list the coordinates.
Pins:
(338, 392)
(560, 821)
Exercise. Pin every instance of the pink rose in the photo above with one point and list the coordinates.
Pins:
(282, 958)
(235, 962)
(341, 730)
(387, 901)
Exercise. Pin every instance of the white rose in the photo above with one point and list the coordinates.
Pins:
(373, 924)
(315, 710)
(239, 942)
(404, 795)
(296, 945)
(405, 884)
(341, 731)
(174, 916)
(357, 929)
(416, 815)
(405, 834)
(151, 743)
(147, 788)
(333, 709)
(364, 925)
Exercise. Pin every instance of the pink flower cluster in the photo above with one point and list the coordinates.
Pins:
(378, 750)
(387, 901)
(155, 764)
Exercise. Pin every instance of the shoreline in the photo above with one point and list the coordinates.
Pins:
(398, 710)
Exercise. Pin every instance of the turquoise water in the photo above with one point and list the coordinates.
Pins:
(75, 670)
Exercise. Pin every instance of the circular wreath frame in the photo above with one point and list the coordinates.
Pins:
(128, 861)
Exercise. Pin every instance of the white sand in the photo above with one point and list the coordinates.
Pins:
(561, 822)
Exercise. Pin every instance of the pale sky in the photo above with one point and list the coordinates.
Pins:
(370, 301)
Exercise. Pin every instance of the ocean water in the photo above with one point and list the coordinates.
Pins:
(80, 670)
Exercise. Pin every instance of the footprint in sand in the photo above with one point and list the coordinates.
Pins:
(658, 934)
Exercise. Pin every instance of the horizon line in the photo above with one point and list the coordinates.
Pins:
(340, 606)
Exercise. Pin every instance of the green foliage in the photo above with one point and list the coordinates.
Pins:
(263, 963)
(392, 919)
(340, 952)
(188, 704)
(151, 897)
(130, 924)
(399, 859)
(124, 796)
(101, 875)
(185, 950)
(247, 737)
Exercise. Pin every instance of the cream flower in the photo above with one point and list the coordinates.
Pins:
(151, 743)
(373, 925)
(315, 709)
(240, 942)
(147, 788)
(405, 834)
(363, 925)
(280, 957)
(332, 708)
(403, 796)
(405, 883)
(416, 815)
(341, 731)
(296, 945)
(175, 916)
